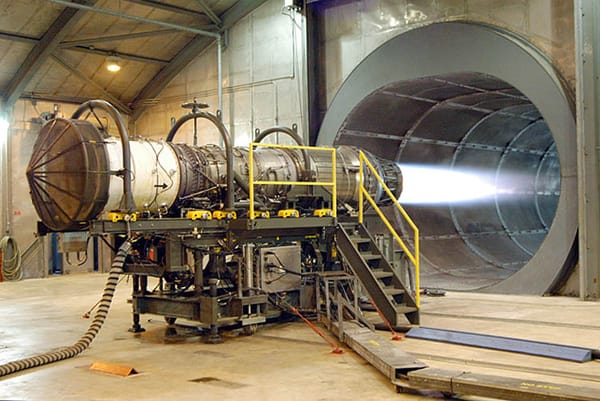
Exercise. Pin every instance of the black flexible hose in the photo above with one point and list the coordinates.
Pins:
(84, 342)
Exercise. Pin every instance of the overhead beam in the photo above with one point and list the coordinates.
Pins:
(41, 52)
(116, 38)
(209, 12)
(118, 14)
(185, 56)
(108, 96)
(169, 7)
(17, 37)
(127, 56)
(54, 98)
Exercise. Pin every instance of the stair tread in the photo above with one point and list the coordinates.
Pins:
(370, 255)
(393, 290)
(380, 273)
(405, 309)
(358, 238)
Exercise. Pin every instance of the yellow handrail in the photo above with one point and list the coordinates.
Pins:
(413, 257)
(252, 182)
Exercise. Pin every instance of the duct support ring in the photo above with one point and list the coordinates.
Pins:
(472, 52)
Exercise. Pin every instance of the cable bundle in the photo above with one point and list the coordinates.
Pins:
(11, 265)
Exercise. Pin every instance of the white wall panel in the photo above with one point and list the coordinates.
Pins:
(260, 79)
(352, 30)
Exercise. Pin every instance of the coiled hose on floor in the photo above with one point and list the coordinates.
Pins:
(84, 342)
(11, 259)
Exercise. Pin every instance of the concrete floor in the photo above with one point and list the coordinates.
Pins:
(280, 362)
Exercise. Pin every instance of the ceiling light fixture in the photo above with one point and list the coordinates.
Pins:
(113, 63)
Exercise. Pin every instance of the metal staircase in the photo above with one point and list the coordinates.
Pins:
(376, 273)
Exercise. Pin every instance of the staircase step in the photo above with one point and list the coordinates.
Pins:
(348, 226)
(403, 309)
(380, 273)
(358, 239)
(393, 291)
(370, 255)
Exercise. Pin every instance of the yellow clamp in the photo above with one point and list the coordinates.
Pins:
(323, 213)
(285, 213)
(261, 214)
(224, 214)
(199, 215)
(118, 216)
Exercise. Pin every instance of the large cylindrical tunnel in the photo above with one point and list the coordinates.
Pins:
(473, 100)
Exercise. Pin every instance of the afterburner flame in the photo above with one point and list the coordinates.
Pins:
(434, 185)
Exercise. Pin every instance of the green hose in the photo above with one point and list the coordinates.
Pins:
(84, 342)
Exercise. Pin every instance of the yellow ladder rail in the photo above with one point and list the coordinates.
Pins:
(413, 257)
(252, 182)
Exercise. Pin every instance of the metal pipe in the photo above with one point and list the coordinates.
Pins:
(249, 265)
(219, 74)
(113, 38)
(136, 18)
(127, 203)
(4, 176)
(226, 141)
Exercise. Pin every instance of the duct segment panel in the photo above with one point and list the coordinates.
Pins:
(491, 131)
(509, 119)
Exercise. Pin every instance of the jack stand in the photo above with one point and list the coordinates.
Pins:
(136, 327)
(214, 337)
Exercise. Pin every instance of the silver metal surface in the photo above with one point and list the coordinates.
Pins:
(508, 100)
(587, 60)
(173, 176)
(280, 267)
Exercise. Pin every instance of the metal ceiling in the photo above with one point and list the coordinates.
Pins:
(49, 49)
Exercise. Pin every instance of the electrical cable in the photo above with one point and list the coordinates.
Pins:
(11, 266)
(85, 341)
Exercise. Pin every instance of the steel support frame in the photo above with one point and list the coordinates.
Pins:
(116, 38)
(587, 62)
(126, 56)
(118, 104)
(184, 57)
(169, 7)
(41, 52)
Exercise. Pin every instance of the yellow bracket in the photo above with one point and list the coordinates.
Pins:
(199, 215)
(224, 214)
(323, 213)
(285, 213)
(118, 216)
(260, 214)
(252, 182)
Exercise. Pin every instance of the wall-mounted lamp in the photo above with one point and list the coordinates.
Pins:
(113, 63)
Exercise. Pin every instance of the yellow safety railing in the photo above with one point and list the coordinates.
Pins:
(252, 182)
(413, 257)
